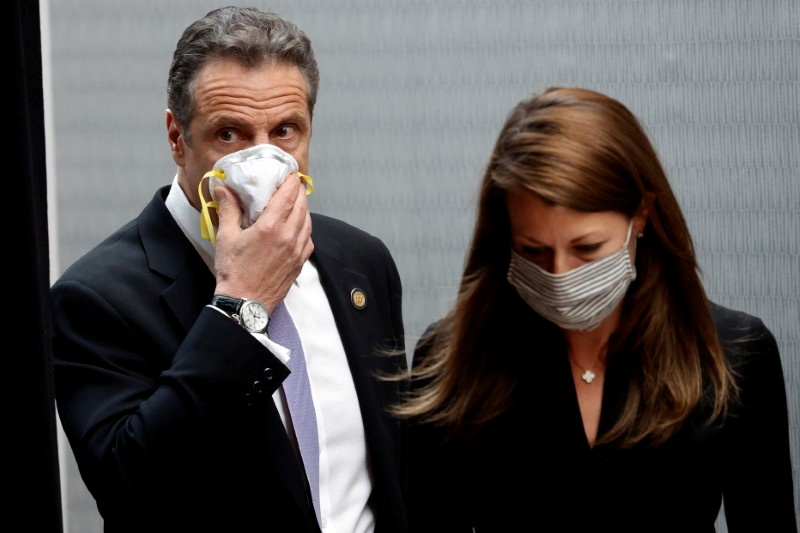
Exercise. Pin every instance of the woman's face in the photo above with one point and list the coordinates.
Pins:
(559, 239)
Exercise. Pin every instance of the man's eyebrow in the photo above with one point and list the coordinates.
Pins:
(221, 120)
(293, 116)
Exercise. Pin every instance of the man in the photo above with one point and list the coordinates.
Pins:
(175, 411)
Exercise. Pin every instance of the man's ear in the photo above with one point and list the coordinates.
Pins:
(175, 138)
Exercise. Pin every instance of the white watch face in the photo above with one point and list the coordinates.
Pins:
(254, 316)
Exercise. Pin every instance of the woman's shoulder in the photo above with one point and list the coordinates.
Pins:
(739, 331)
(750, 348)
(733, 322)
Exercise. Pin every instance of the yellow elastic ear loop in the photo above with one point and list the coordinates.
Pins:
(206, 226)
(308, 181)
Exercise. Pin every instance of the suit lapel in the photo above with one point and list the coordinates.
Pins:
(354, 324)
(170, 254)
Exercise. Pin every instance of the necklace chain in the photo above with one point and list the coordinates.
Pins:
(588, 375)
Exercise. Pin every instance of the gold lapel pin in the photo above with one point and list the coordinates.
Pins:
(359, 298)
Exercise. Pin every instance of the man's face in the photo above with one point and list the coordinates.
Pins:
(236, 107)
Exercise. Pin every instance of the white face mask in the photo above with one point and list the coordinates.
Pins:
(254, 174)
(580, 299)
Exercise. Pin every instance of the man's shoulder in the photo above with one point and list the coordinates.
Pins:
(326, 229)
(349, 245)
(109, 252)
(327, 225)
(121, 251)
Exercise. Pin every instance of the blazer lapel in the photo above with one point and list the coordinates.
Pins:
(354, 324)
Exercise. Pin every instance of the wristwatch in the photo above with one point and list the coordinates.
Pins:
(252, 315)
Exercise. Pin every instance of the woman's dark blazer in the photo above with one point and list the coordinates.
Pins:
(532, 469)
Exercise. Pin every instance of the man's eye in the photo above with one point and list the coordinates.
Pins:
(229, 135)
(284, 131)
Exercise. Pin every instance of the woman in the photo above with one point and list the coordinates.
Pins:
(582, 379)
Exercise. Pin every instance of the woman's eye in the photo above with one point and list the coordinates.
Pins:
(588, 248)
(532, 252)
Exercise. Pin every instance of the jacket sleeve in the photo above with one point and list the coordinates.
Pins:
(140, 406)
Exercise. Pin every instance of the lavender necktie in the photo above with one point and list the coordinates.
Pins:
(297, 388)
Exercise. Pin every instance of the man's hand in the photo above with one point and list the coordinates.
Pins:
(262, 261)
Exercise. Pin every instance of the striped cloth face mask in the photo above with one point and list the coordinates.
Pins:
(580, 299)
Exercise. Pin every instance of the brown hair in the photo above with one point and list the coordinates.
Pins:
(585, 151)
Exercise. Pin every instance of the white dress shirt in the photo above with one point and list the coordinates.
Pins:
(344, 477)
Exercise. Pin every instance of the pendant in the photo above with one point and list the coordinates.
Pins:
(588, 376)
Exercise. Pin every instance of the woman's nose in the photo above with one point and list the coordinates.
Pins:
(559, 263)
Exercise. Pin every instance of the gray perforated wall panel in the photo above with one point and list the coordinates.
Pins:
(412, 96)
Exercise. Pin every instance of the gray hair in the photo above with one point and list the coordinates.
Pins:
(246, 34)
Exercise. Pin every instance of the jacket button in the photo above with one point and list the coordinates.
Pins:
(268, 374)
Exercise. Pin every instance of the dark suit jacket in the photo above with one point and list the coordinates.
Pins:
(167, 403)
(532, 469)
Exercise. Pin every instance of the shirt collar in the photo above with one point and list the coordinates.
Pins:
(188, 219)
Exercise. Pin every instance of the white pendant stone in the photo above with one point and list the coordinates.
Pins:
(588, 376)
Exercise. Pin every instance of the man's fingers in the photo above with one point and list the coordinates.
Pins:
(308, 249)
(299, 217)
(229, 210)
(287, 200)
